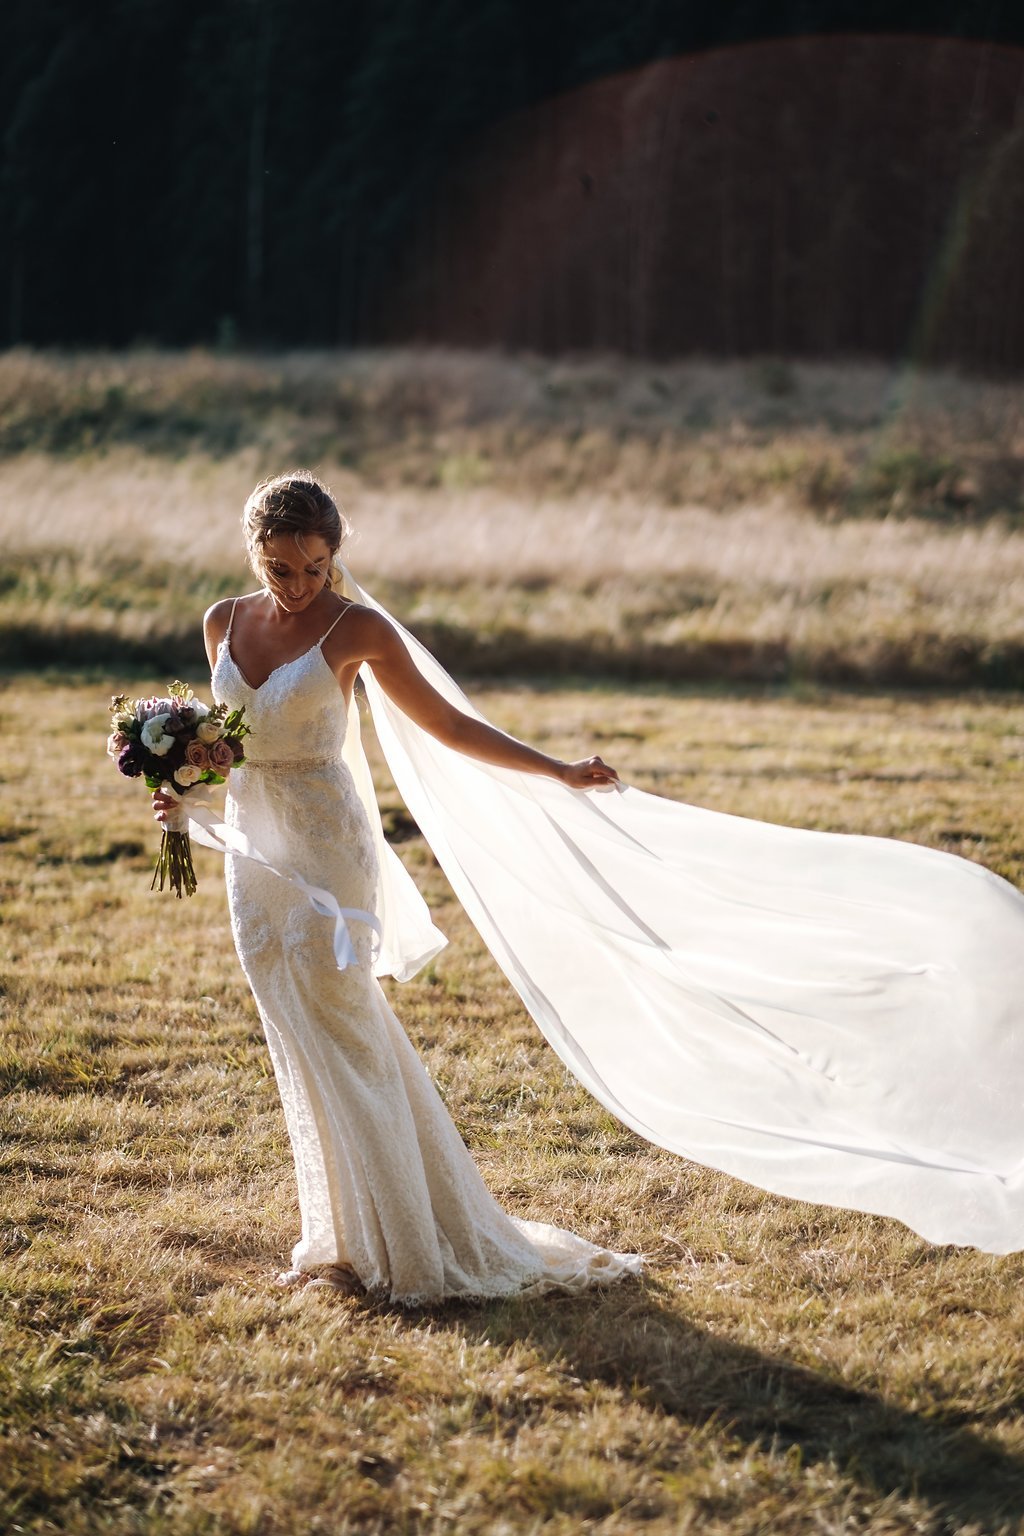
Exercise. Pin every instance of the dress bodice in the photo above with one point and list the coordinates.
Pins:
(297, 715)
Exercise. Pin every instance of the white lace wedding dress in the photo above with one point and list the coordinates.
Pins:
(385, 1182)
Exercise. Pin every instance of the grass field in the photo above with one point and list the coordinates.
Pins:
(677, 564)
(780, 1369)
(754, 522)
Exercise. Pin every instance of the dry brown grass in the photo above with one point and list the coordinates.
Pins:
(115, 556)
(782, 1368)
(832, 437)
(845, 523)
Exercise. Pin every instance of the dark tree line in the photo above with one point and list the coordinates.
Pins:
(194, 170)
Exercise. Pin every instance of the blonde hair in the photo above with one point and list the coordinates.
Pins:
(297, 504)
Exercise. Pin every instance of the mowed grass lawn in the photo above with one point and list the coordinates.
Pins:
(781, 1367)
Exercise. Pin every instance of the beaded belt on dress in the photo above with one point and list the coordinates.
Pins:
(290, 764)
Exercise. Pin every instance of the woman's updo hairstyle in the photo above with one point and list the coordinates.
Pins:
(297, 504)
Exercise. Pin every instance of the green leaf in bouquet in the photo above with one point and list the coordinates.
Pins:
(234, 724)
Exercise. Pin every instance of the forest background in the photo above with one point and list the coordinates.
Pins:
(788, 176)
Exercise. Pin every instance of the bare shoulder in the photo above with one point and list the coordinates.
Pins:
(374, 632)
(217, 617)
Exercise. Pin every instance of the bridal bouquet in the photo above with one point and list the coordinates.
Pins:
(175, 743)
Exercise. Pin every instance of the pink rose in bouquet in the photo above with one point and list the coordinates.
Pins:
(222, 755)
(197, 754)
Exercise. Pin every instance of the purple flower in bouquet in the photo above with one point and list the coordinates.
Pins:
(132, 760)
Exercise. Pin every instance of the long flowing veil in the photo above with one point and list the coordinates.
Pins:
(831, 1017)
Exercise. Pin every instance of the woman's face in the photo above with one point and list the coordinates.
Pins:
(295, 571)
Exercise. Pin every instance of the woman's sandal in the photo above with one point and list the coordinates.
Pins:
(337, 1277)
(341, 1278)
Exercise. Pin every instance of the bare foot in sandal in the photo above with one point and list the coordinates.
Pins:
(341, 1278)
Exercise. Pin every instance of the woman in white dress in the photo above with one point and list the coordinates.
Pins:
(831, 1017)
(391, 1201)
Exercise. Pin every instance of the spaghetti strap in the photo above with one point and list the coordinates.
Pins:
(231, 619)
(337, 621)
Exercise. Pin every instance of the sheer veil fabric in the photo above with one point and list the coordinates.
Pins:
(831, 1017)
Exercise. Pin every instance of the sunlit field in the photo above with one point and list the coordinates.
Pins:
(780, 1368)
(750, 522)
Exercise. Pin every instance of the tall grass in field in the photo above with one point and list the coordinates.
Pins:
(748, 522)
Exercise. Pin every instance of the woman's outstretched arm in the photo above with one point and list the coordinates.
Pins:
(382, 647)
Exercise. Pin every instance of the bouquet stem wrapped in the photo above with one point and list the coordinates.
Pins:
(174, 866)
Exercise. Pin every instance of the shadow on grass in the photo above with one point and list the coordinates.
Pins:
(629, 1338)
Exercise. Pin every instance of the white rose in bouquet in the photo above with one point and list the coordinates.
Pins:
(155, 737)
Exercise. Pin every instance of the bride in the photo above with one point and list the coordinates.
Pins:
(835, 1018)
(391, 1201)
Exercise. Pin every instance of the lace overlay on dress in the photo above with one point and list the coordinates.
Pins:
(385, 1182)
